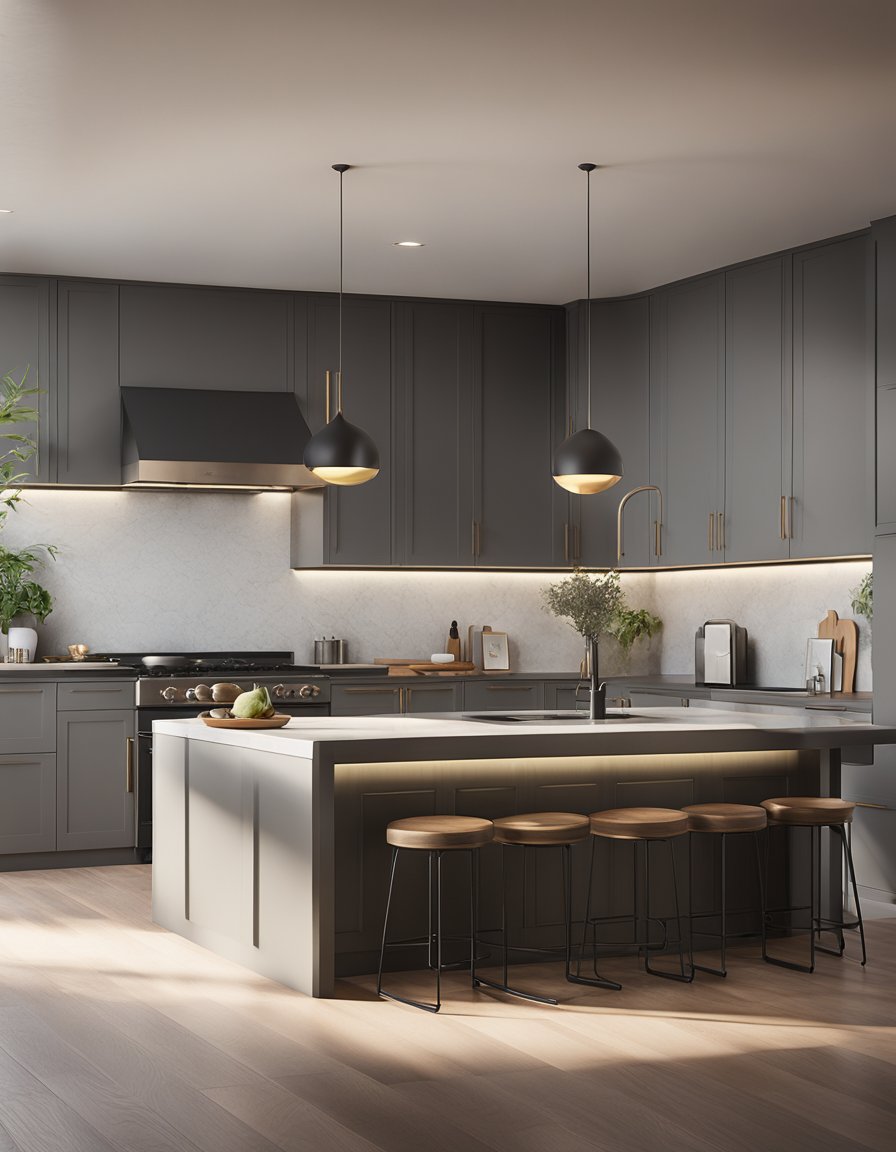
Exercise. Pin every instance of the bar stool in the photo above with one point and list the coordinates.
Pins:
(641, 826)
(724, 820)
(434, 835)
(815, 813)
(537, 830)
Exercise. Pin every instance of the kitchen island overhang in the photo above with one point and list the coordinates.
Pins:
(270, 846)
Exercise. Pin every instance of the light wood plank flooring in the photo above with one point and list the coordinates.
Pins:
(115, 1035)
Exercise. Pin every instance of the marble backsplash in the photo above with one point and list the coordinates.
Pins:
(158, 571)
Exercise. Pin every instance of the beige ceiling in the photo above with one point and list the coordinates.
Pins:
(190, 140)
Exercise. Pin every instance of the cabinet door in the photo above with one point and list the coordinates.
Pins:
(28, 803)
(180, 336)
(27, 718)
(25, 318)
(88, 442)
(94, 793)
(687, 362)
(572, 695)
(519, 510)
(884, 235)
(831, 392)
(358, 521)
(433, 459)
(620, 408)
(365, 699)
(503, 695)
(757, 410)
(445, 697)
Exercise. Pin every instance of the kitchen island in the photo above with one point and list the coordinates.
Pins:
(270, 845)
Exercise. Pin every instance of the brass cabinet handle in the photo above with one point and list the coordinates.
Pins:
(783, 518)
(657, 538)
(370, 691)
(711, 533)
(129, 764)
(577, 537)
(566, 543)
(8, 689)
(476, 537)
(721, 516)
(508, 687)
(790, 518)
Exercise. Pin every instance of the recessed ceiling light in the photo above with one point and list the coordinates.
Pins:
(408, 244)
(6, 211)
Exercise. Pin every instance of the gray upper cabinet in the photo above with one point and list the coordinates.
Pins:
(357, 521)
(884, 237)
(88, 439)
(687, 413)
(757, 410)
(620, 409)
(25, 335)
(518, 510)
(832, 391)
(434, 459)
(188, 337)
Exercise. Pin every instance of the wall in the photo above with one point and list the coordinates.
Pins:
(156, 571)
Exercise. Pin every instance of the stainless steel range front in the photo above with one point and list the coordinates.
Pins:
(182, 685)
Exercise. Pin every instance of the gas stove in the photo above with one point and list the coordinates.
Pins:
(178, 680)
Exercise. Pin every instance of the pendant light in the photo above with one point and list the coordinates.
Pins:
(587, 462)
(341, 453)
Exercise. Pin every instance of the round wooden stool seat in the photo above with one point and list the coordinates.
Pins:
(809, 810)
(437, 833)
(542, 828)
(725, 817)
(639, 823)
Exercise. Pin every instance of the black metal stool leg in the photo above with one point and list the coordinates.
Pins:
(722, 970)
(682, 976)
(792, 964)
(379, 976)
(846, 850)
(595, 981)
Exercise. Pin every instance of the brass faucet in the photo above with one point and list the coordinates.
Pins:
(657, 524)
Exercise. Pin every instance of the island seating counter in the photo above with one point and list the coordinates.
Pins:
(270, 843)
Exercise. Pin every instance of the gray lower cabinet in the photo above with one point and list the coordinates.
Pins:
(687, 415)
(566, 695)
(832, 391)
(757, 410)
(28, 802)
(366, 699)
(503, 695)
(27, 718)
(88, 435)
(884, 238)
(447, 696)
(25, 322)
(95, 779)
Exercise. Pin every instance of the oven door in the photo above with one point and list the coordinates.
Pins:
(143, 782)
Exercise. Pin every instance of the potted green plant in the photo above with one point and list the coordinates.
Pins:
(595, 606)
(862, 597)
(20, 595)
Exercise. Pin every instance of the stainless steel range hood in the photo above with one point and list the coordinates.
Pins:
(193, 437)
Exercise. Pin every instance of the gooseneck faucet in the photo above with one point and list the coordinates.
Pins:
(657, 524)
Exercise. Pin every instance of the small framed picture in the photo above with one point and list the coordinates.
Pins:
(495, 652)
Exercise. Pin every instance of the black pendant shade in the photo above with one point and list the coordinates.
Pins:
(587, 462)
(342, 453)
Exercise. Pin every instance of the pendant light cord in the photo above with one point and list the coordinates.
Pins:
(341, 169)
(588, 170)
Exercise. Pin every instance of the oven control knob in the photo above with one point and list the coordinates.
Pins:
(306, 690)
(169, 693)
(191, 694)
(278, 691)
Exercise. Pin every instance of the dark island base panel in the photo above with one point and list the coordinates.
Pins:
(368, 797)
(97, 858)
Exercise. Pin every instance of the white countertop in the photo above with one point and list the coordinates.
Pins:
(648, 730)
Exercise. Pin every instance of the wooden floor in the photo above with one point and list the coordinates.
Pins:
(116, 1035)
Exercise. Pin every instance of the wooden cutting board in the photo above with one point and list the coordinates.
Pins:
(845, 634)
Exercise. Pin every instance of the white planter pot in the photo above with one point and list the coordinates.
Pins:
(22, 638)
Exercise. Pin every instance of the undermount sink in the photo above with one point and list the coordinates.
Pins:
(566, 717)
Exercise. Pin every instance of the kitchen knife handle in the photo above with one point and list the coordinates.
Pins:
(129, 764)
(711, 533)
(721, 516)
